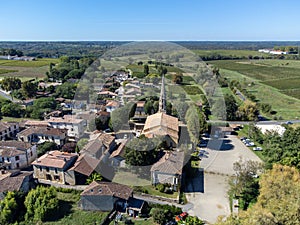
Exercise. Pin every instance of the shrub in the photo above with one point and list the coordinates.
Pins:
(160, 187)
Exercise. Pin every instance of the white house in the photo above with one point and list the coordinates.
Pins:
(75, 127)
(17, 154)
(8, 130)
(43, 134)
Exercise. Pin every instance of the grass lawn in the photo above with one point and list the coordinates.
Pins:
(71, 214)
(13, 119)
(152, 191)
(36, 63)
(132, 179)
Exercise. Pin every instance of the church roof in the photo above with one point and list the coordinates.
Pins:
(161, 124)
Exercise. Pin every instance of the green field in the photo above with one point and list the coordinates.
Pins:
(283, 75)
(2, 71)
(286, 106)
(36, 63)
(225, 52)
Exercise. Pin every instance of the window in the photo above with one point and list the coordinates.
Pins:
(56, 177)
(48, 177)
(55, 170)
(31, 154)
(8, 159)
(41, 169)
(18, 165)
(47, 169)
(17, 158)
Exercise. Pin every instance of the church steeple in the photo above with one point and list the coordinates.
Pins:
(162, 97)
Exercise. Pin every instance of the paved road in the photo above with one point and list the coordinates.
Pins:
(271, 122)
(208, 190)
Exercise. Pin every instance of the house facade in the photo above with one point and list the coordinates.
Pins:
(168, 170)
(105, 196)
(8, 130)
(16, 181)
(75, 127)
(42, 134)
(16, 154)
(51, 167)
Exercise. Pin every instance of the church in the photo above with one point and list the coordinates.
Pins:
(161, 124)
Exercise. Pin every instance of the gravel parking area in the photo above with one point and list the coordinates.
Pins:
(207, 192)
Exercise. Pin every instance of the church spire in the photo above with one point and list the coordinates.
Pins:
(162, 97)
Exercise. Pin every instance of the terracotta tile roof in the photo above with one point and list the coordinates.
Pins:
(107, 93)
(170, 163)
(13, 183)
(17, 144)
(65, 119)
(120, 151)
(36, 123)
(10, 152)
(44, 131)
(112, 104)
(5, 125)
(55, 159)
(85, 164)
(161, 124)
(97, 188)
(106, 139)
(93, 147)
(140, 104)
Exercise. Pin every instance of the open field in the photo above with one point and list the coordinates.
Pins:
(36, 63)
(24, 72)
(286, 106)
(2, 71)
(276, 82)
(225, 52)
(263, 70)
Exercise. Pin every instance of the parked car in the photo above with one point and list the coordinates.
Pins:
(182, 216)
(250, 144)
(257, 149)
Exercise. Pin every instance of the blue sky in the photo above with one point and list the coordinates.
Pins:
(150, 20)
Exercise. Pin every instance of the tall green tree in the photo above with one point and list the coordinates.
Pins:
(146, 70)
(29, 89)
(40, 204)
(8, 209)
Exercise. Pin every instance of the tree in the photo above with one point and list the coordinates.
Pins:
(41, 203)
(66, 90)
(158, 215)
(146, 70)
(12, 110)
(94, 177)
(46, 147)
(231, 107)
(248, 111)
(8, 209)
(177, 78)
(193, 220)
(29, 89)
(81, 143)
(42, 106)
(11, 83)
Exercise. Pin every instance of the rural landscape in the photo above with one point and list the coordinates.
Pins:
(149, 114)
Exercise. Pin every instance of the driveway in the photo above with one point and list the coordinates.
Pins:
(207, 191)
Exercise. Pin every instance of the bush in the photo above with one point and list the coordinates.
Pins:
(160, 187)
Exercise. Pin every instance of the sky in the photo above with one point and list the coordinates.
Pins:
(212, 20)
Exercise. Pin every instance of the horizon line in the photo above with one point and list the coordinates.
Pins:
(154, 40)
